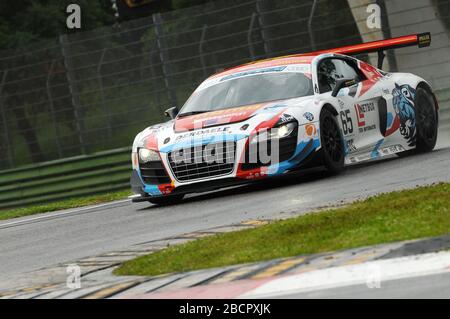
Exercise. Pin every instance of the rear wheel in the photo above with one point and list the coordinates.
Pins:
(333, 154)
(426, 123)
(166, 200)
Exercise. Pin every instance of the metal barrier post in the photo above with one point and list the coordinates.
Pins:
(263, 25)
(249, 37)
(200, 49)
(106, 111)
(3, 113)
(159, 32)
(310, 30)
(153, 75)
(52, 109)
(76, 103)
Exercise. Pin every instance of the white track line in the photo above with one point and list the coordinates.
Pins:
(51, 215)
(368, 273)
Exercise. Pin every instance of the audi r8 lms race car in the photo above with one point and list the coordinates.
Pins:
(271, 117)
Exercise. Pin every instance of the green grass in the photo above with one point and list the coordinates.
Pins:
(422, 212)
(64, 204)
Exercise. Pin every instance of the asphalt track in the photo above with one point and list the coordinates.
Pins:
(38, 241)
(435, 286)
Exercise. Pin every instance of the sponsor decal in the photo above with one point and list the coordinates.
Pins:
(361, 109)
(384, 151)
(268, 63)
(367, 128)
(275, 106)
(309, 116)
(215, 130)
(253, 72)
(424, 39)
(166, 189)
(253, 174)
(310, 130)
(366, 107)
(300, 68)
(389, 150)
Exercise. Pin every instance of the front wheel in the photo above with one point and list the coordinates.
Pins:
(166, 200)
(333, 154)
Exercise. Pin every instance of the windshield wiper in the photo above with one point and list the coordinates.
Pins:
(192, 113)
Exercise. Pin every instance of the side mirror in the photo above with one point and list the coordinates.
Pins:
(342, 83)
(172, 112)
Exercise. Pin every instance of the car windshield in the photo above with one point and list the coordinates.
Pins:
(248, 90)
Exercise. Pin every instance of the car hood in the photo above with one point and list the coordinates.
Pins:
(226, 116)
(170, 134)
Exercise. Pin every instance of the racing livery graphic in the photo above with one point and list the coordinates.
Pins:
(403, 100)
(271, 117)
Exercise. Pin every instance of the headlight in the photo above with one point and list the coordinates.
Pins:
(278, 132)
(146, 155)
(283, 130)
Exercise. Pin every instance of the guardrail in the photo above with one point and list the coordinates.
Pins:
(61, 179)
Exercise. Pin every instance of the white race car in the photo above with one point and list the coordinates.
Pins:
(271, 117)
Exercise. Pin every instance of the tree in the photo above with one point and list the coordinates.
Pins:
(25, 21)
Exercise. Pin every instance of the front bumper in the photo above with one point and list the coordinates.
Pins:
(304, 152)
(198, 187)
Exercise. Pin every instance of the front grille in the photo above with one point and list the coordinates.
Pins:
(154, 173)
(193, 163)
(287, 149)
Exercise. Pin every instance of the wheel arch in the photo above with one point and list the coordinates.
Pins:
(328, 106)
(427, 87)
(326, 160)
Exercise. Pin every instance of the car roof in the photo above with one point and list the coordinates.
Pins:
(273, 62)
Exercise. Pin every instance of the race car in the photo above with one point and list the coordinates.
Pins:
(275, 116)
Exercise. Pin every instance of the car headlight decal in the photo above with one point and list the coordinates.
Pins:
(277, 132)
(284, 130)
(146, 155)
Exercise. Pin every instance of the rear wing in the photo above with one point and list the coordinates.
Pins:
(421, 40)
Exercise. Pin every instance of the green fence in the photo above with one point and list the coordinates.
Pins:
(72, 177)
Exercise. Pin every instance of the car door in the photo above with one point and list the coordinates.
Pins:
(357, 104)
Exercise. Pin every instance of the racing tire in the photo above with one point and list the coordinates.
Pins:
(333, 151)
(426, 123)
(166, 200)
